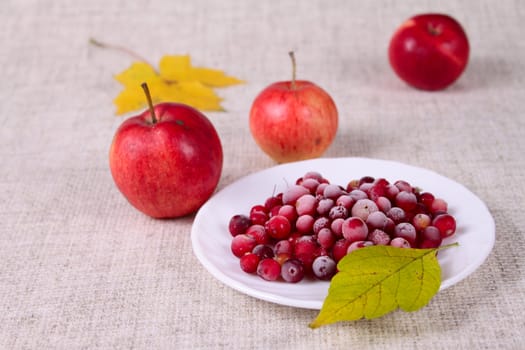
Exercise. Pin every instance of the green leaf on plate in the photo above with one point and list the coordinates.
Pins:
(376, 280)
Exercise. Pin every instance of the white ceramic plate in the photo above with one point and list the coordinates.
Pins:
(211, 239)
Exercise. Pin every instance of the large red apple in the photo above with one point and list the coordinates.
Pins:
(166, 161)
(429, 51)
(293, 120)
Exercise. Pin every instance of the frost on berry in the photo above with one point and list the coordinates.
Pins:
(292, 271)
(354, 229)
(379, 237)
(363, 207)
(269, 269)
(324, 267)
(292, 193)
(242, 244)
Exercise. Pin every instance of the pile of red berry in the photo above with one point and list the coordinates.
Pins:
(310, 226)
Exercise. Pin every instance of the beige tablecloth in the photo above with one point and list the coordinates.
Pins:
(81, 269)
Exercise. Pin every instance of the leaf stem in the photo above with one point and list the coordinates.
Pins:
(446, 246)
(292, 57)
(122, 49)
(150, 103)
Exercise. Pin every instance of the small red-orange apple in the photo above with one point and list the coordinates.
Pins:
(293, 120)
(166, 161)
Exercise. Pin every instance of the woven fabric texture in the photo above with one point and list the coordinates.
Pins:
(81, 269)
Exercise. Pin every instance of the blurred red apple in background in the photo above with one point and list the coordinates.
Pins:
(429, 51)
(293, 120)
(166, 161)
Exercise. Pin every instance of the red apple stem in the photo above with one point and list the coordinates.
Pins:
(150, 102)
(292, 57)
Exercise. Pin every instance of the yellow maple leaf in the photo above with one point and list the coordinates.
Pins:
(179, 68)
(192, 93)
(132, 97)
(136, 74)
(176, 81)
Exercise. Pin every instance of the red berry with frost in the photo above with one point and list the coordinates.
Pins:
(345, 200)
(272, 202)
(352, 185)
(439, 205)
(391, 192)
(340, 249)
(366, 180)
(305, 223)
(305, 250)
(278, 227)
(379, 237)
(258, 215)
(366, 187)
(446, 224)
(358, 194)
(407, 231)
(239, 224)
(242, 244)
(332, 191)
(397, 214)
(314, 175)
(306, 204)
(258, 209)
(269, 269)
(357, 245)
(310, 185)
(426, 198)
(324, 205)
(325, 238)
(292, 271)
(363, 207)
(249, 262)
(420, 221)
(406, 201)
(289, 212)
(292, 193)
(338, 212)
(263, 251)
(258, 232)
(274, 211)
(430, 237)
(320, 223)
(324, 268)
(319, 191)
(403, 186)
(337, 227)
(384, 204)
(377, 219)
(283, 246)
(354, 229)
(376, 191)
(400, 242)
